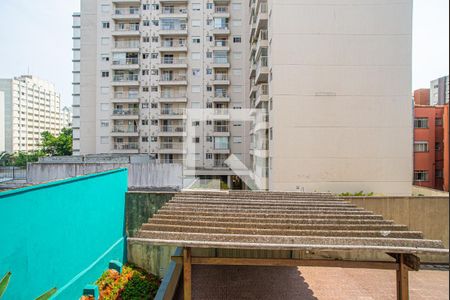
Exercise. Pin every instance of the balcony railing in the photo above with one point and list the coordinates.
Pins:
(126, 112)
(172, 129)
(220, 164)
(173, 10)
(126, 11)
(173, 43)
(173, 61)
(263, 90)
(126, 78)
(169, 95)
(126, 146)
(173, 111)
(264, 35)
(171, 161)
(220, 60)
(221, 43)
(124, 95)
(221, 9)
(220, 76)
(128, 27)
(221, 128)
(181, 77)
(127, 44)
(125, 129)
(171, 146)
(263, 8)
(221, 111)
(221, 94)
(126, 61)
(168, 27)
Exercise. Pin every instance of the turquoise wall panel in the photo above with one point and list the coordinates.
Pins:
(62, 234)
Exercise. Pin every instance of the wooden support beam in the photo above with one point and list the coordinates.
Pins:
(290, 262)
(410, 260)
(187, 273)
(402, 279)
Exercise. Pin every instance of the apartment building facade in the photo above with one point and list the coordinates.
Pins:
(422, 97)
(431, 150)
(334, 79)
(145, 65)
(439, 91)
(31, 106)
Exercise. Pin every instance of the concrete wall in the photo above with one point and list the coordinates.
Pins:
(62, 234)
(146, 175)
(341, 90)
(140, 206)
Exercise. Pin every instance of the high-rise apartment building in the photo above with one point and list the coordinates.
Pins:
(335, 79)
(439, 91)
(145, 64)
(31, 106)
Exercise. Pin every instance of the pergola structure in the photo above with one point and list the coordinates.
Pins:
(283, 221)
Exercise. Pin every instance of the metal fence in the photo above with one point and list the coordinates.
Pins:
(12, 173)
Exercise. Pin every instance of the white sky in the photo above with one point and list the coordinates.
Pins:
(37, 36)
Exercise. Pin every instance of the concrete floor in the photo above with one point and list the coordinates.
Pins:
(310, 283)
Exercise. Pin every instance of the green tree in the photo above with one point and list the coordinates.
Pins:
(57, 146)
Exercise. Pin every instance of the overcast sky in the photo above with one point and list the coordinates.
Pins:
(37, 36)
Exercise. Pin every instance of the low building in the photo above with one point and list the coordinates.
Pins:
(31, 106)
(422, 97)
(430, 127)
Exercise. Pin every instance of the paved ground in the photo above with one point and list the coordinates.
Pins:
(307, 283)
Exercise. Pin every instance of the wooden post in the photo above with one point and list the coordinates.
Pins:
(402, 278)
(187, 273)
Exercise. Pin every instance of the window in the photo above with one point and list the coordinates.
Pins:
(145, 139)
(155, 6)
(209, 156)
(154, 105)
(221, 143)
(209, 88)
(145, 55)
(420, 176)
(155, 39)
(209, 139)
(104, 123)
(196, 40)
(145, 89)
(195, 72)
(154, 89)
(209, 6)
(105, 25)
(105, 8)
(154, 55)
(421, 147)
(154, 139)
(146, 7)
(271, 133)
(146, 39)
(237, 139)
(144, 105)
(196, 6)
(155, 22)
(196, 89)
(208, 71)
(421, 123)
(144, 122)
(145, 72)
(105, 57)
(196, 23)
(437, 147)
(237, 39)
(146, 22)
(154, 122)
(208, 54)
(195, 123)
(196, 140)
(104, 140)
(439, 122)
(439, 173)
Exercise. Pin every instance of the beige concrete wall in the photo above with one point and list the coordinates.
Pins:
(341, 89)
(423, 191)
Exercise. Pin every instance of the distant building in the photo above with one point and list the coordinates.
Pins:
(446, 147)
(439, 91)
(31, 106)
(431, 149)
(66, 117)
(422, 97)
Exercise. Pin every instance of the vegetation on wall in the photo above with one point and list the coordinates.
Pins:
(358, 194)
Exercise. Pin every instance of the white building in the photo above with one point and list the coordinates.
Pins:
(335, 78)
(66, 117)
(31, 106)
(145, 64)
(439, 91)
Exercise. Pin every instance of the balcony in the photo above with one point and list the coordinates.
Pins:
(173, 63)
(263, 42)
(172, 113)
(126, 30)
(126, 147)
(126, 114)
(221, 62)
(125, 130)
(172, 147)
(221, 96)
(173, 96)
(126, 46)
(173, 12)
(221, 114)
(172, 130)
(221, 45)
(126, 80)
(173, 29)
(262, 70)
(173, 80)
(262, 94)
(175, 45)
(220, 164)
(126, 97)
(221, 79)
(262, 17)
(221, 30)
(221, 12)
(221, 130)
(125, 64)
(129, 13)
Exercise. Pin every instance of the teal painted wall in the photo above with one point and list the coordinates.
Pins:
(62, 234)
